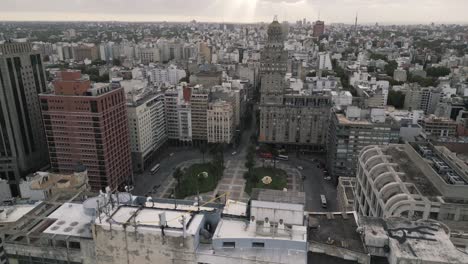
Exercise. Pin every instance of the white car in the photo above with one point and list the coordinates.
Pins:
(328, 178)
(234, 153)
(300, 167)
(172, 154)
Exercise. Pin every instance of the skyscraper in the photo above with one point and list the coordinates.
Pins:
(295, 119)
(319, 28)
(87, 124)
(23, 148)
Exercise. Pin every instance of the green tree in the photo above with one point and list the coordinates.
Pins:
(178, 174)
(437, 72)
(391, 67)
(396, 99)
(311, 74)
(203, 150)
(376, 56)
(116, 62)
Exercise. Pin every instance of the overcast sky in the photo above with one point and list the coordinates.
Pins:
(370, 11)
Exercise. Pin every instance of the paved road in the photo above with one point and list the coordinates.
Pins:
(314, 185)
(146, 182)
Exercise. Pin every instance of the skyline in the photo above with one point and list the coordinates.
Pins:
(252, 11)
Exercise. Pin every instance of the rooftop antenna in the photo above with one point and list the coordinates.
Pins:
(319, 15)
(275, 19)
(355, 22)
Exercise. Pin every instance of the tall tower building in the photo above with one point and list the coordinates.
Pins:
(319, 28)
(87, 125)
(273, 66)
(23, 148)
(292, 119)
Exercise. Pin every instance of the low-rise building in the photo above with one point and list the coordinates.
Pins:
(435, 127)
(345, 193)
(399, 240)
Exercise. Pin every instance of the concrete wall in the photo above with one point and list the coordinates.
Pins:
(276, 243)
(339, 252)
(85, 255)
(291, 214)
(148, 246)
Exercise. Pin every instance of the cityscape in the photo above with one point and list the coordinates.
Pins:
(191, 132)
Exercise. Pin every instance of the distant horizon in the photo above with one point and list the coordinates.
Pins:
(402, 23)
(396, 12)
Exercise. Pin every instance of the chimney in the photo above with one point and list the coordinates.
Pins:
(281, 224)
(252, 224)
(266, 225)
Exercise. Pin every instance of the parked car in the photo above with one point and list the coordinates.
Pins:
(300, 167)
(172, 154)
(234, 153)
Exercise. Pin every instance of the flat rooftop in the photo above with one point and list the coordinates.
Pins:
(337, 229)
(420, 241)
(149, 217)
(276, 196)
(206, 254)
(71, 220)
(233, 228)
(412, 174)
(11, 214)
(344, 120)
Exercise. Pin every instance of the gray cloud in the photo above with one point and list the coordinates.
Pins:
(237, 10)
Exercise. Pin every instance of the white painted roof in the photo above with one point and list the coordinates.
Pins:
(229, 228)
(11, 214)
(71, 220)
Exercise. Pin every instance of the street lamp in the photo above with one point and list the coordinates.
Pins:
(203, 174)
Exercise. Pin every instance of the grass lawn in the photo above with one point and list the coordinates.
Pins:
(188, 182)
(278, 176)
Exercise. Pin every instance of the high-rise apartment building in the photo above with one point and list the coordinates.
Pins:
(294, 118)
(178, 114)
(147, 124)
(351, 131)
(426, 99)
(199, 107)
(85, 51)
(23, 148)
(87, 124)
(319, 28)
(221, 120)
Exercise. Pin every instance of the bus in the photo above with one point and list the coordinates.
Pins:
(155, 168)
(323, 200)
(266, 155)
(283, 157)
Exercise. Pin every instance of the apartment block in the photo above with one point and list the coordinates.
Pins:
(435, 127)
(353, 129)
(200, 98)
(220, 122)
(23, 147)
(147, 124)
(88, 125)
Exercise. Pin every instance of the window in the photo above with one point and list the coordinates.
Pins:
(229, 244)
(258, 245)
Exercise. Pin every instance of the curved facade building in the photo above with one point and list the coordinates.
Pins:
(413, 181)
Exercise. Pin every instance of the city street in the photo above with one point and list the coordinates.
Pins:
(160, 184)
(147, 182)
(314, 184)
